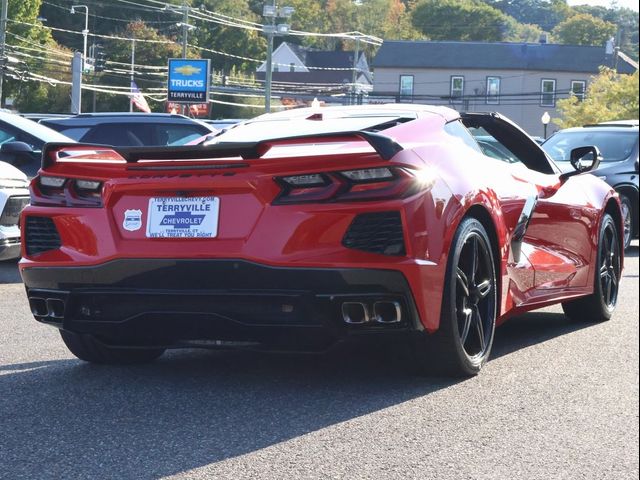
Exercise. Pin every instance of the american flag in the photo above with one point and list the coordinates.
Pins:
(138, 99)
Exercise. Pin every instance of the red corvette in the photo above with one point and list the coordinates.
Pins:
(309, 227)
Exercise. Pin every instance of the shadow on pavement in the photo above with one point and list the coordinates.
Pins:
(68, 419)
(531, 329)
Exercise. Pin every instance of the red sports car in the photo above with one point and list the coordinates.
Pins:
(301, 229)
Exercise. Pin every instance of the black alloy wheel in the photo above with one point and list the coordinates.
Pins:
(609, 262)
(475, 296)
(462, 344)
(600, 305)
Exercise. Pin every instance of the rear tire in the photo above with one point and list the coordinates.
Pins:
(87, 348)
(600, 305)
(462, 344)
(628, 223)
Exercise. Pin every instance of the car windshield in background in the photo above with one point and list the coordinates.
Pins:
(614, 146)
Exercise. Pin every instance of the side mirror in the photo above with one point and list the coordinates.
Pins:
(16, 153)
(15, 147)
(583, 160)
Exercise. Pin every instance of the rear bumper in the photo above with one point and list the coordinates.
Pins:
(210, 302)
(9, 248)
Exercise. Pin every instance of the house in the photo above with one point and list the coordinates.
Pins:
(518, 80)
(307, 73)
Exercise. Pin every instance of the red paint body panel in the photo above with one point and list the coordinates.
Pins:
(557, 254)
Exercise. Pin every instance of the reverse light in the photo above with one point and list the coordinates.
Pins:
(52, 182)
(368, 174)
(91, 185)
(313, 180)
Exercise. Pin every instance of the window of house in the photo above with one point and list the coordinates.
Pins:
(493, 90)
(548, 93)
(578, 88)
(292, 67)
(406, 87)
(457, 89)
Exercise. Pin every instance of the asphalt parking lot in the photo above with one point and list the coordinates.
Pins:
(558, 400)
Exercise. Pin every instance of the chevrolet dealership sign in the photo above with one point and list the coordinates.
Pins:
(188, 81)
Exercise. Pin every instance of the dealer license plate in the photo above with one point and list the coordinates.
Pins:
(183, 217)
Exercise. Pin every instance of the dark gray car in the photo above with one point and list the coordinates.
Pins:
(618, 144)
(130, 129)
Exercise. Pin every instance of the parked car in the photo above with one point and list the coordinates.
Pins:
(222, 123)
(14, 196)
(36, 117)
(21, 142)
(618, 144)
(305, 228)
(130, 129)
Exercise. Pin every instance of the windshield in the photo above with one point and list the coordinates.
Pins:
(614, 146)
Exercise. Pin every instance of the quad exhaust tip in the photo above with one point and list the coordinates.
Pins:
(52, 308)
(383, 312)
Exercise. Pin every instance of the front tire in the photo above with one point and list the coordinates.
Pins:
(462, 344)
(87, 348)
(600, 305)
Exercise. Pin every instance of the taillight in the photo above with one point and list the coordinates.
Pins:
(350, 185)
(47, 190)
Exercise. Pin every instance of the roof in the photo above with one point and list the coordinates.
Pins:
(495, 56)
(89, 119)
(323, 58)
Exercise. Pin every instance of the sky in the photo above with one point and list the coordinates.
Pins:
(632, 4)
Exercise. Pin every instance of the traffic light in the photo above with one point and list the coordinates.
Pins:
(100, 58)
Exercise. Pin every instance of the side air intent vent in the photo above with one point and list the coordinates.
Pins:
(379, 232)
(41, 235)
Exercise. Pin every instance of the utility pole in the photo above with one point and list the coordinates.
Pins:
(76, 83)
(133, 60)
(270, 32)
(354, 78)
(185, 30)
(272, 12)
(3, 37)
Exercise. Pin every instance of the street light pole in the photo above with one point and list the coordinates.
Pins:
(545, 119)
(85, 32)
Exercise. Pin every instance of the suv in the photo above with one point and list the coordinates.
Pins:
(618, 143)
(130, 129)
(14, 196)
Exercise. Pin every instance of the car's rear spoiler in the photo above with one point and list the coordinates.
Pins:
(385, 146)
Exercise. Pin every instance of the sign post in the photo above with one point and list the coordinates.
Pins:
(188, 81)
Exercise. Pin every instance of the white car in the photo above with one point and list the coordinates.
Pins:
(14, 196)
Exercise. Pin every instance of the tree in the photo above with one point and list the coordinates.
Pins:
(584, 29)
(624, 18)
(522, 32)
(464, 20)
(546, 14)
(146, 53)
(609, 96)
(229, 39)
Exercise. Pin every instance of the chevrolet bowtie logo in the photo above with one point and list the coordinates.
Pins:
(187, 70)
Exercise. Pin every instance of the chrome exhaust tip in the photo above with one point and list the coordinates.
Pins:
(387, 312)
(355, 313)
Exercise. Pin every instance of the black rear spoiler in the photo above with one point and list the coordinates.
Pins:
(385, 146)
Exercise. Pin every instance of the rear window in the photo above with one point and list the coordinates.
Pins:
(614, 146)
(76, 133)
